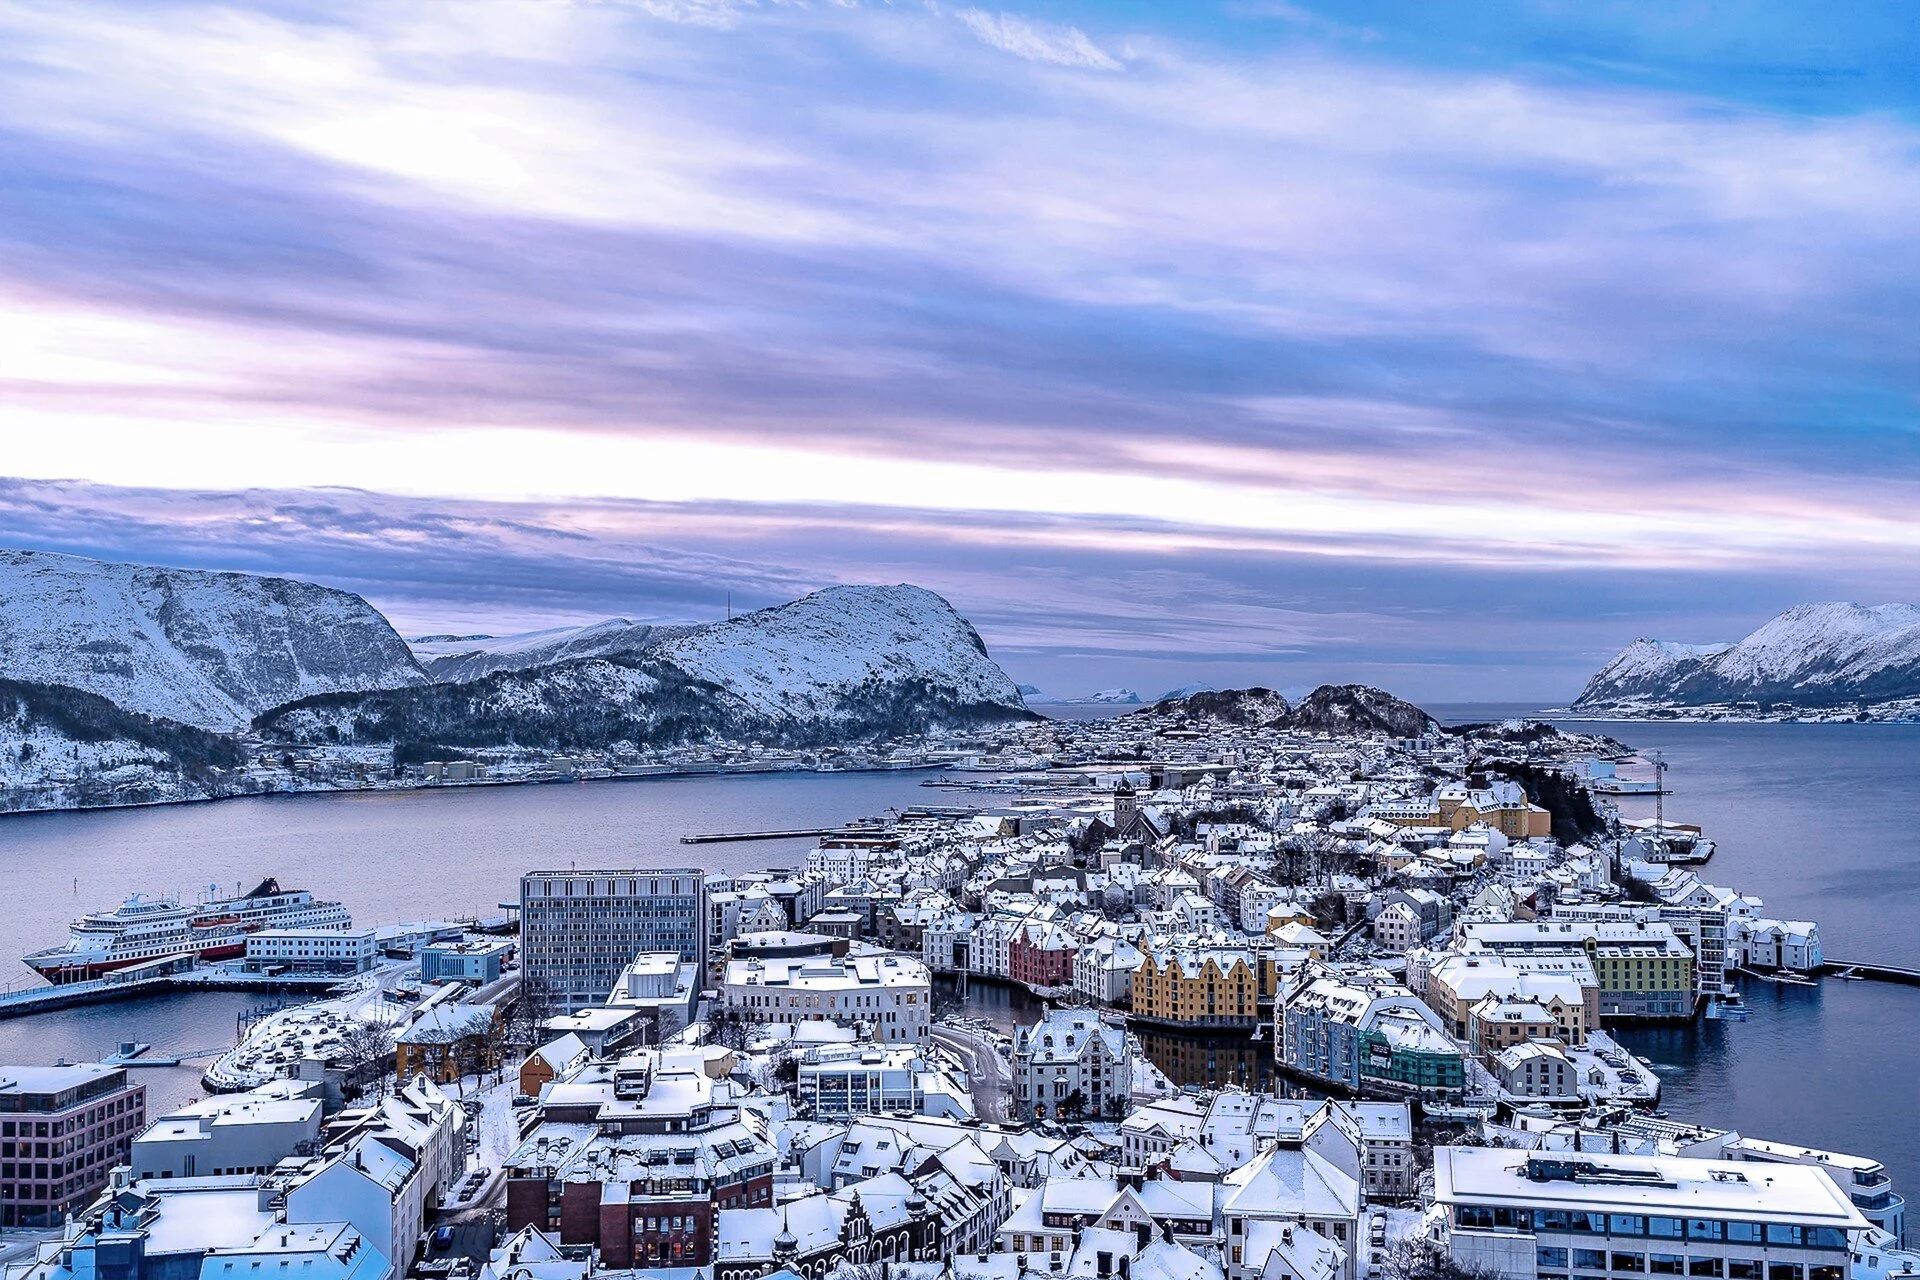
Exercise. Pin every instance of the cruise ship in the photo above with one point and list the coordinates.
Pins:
(215, 928)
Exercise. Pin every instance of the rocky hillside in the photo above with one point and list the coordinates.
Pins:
(1332, 708)
(1359, 708)
(842, 664)
(1255, 706)
(206, 649)
(1812, 656)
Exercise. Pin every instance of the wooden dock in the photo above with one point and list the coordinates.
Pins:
(725, 837)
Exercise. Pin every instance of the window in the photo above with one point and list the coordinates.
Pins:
(1826, 1238)
(1545, 1257)
(1826, 1272)
(1742, 1269)
(1629, 1262)
(1785, 1233)
(1703, 1229)
(1743, 1232)
(1709, 1267)
(1783, 1271)
(1591, 1259)
(1666, 1264)
(1626, 1224)
(1665, 1228)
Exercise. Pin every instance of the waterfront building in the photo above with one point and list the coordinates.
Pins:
(1103, 971)
(311, 950)
(1070, 1063)
(891, 993)
(1644, 970)
(1369, 1035)
(229, 1133)
(1561, 982)
(1535, 1069)
(580, 929)
(1553, 1217)
(61, 1130)
(1198, 987)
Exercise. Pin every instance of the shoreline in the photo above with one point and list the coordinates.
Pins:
(469, 784)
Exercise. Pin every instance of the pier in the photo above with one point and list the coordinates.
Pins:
(724, 837)
(1873, 972)
(157, 977)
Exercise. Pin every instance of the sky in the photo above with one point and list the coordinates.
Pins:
(1447, 347)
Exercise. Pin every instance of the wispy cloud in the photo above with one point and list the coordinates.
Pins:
(1349, 307)
(1037, 41)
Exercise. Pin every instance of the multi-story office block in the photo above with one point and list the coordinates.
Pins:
(579, 930)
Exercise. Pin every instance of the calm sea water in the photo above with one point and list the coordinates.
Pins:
(1821, 821)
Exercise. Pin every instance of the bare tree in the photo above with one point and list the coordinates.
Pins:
(367, 1053)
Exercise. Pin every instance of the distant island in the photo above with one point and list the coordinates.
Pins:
(1831, 662)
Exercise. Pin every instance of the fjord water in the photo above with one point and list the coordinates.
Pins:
(1822, 821)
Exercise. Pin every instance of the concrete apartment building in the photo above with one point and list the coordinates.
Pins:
(1574, 1214)
(579, 930)
(61, 1130)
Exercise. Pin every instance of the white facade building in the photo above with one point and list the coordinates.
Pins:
(312, 950)
(893, 993)
(1070, 1061)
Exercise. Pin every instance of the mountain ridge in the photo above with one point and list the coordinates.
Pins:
(1818, 656)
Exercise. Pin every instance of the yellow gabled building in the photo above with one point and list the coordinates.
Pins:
(1198, 987)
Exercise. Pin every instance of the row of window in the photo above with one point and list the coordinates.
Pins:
(1662, 1228)
(1553, 1263)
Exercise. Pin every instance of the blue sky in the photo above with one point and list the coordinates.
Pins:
(1443, 346)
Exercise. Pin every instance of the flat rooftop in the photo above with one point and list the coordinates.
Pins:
(1678, 1186)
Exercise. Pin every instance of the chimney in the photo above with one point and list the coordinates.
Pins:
(1126, 1267)
(1166, 1230)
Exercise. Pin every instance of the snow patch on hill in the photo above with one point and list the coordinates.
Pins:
(462, 658)
(208, 649)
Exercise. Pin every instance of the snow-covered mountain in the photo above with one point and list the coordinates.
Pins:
(1812, 656)
(460, 658)
(840, 664)
(207, 649)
